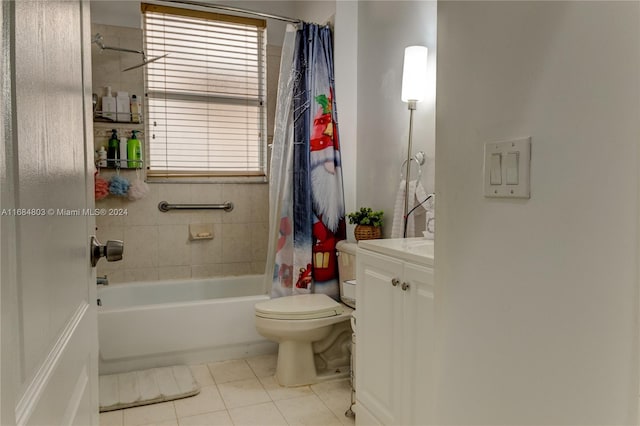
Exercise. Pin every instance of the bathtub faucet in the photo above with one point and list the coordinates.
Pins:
(102, 280)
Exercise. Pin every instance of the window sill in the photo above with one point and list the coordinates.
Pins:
(209, 179)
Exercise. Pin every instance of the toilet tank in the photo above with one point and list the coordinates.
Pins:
(347, 271)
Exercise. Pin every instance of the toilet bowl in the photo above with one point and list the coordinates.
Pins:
(314, 334)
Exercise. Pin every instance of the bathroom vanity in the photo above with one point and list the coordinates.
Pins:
(395, 332)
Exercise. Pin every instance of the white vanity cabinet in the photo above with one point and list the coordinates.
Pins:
(395, 337)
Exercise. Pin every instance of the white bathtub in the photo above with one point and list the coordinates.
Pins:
(150, 324)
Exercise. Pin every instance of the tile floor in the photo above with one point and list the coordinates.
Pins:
(243, 393)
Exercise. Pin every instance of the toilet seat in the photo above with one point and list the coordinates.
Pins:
(299, 307)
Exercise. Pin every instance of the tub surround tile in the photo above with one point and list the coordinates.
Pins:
(263, 365)
(259, 203)
(258, 267)
(307, 410)
(242, 393)
(219, 418)
(205, 252)
(112, 418)
(207, 401)
(114, 276)
(149, 414)
(236, 243)
(266, 414)
(202, 375)
(243, 268)
(241, 197)
(140, 247)
(174, 245)
(174, 272)
(229, 371)
(259, 241)
(140, 274)
(277, 392)
(206, 271)
(144, 211)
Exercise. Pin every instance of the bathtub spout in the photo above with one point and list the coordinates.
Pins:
(102, 280)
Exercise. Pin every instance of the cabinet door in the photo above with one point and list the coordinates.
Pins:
(379, 337)
(419, 344)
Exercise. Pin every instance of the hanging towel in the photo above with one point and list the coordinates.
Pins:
(417, 194)
(428, 206)
(398, 210)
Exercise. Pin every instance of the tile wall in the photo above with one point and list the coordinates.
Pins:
(156, 244)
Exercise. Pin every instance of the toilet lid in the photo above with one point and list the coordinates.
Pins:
(303, 306)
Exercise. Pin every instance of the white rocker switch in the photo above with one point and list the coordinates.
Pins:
(511, 167)
(496, 169)
(507, 168)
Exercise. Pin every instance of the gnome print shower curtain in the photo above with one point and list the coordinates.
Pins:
(306, 193)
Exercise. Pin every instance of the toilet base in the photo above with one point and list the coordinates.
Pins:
(300, 367)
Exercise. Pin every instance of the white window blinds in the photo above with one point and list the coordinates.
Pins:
(206, 99)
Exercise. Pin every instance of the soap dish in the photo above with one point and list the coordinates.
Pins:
(201, 231)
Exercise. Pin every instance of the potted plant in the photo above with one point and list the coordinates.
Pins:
(368, 223)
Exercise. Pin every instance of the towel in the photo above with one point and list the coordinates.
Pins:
(417, 194)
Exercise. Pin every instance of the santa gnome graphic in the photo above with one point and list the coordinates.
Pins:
(327, 195)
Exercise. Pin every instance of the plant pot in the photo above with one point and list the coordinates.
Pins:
(367, 232)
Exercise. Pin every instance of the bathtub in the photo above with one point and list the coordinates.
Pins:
(151, 324)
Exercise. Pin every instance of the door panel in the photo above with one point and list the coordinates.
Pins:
(49, 358)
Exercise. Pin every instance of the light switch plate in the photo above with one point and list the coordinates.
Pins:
(522, 148)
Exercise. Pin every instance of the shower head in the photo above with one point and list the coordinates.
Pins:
(98, 40)
(145, 61)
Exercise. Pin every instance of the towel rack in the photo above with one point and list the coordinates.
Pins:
(419, 159)
(164, 207)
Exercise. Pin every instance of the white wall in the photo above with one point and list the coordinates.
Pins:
(126, 13)
(537, 299)
(346, 76)
(385, 28)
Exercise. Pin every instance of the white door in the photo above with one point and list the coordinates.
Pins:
(48, 297)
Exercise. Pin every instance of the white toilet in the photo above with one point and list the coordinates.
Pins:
(313, 330)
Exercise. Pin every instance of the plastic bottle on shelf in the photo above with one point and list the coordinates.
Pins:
(123, 107)
(102, 157)
(134, 151)
(123, 152)
(109, 106)
(113, 150)
(136, 109)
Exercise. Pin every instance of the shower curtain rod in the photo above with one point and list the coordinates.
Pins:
(232, 9)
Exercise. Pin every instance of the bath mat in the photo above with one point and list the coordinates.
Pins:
(125, 390)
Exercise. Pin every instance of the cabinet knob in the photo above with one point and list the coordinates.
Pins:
(395, 282)
(405, 286)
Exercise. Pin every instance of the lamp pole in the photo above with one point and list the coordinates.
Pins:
(405, 216)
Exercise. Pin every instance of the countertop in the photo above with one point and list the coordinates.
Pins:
(415, 250)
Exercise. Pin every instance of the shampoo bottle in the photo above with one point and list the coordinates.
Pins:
(109, 106)
(113, 150)
(134, 151)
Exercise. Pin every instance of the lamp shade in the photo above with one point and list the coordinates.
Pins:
(414, 74)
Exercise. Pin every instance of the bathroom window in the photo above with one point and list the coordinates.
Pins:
(206, 109)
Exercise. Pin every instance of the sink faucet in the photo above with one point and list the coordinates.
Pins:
(102, 280)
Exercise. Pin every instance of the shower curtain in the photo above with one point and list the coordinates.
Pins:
(306, 193)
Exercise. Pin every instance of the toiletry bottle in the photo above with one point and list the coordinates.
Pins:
(136, 109)
(123, 107)
(123, 152)
(109, 106)
(102, 157)
(113, 150)
(134, 151)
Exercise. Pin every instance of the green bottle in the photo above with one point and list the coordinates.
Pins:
(134, 151)
(113, 150)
